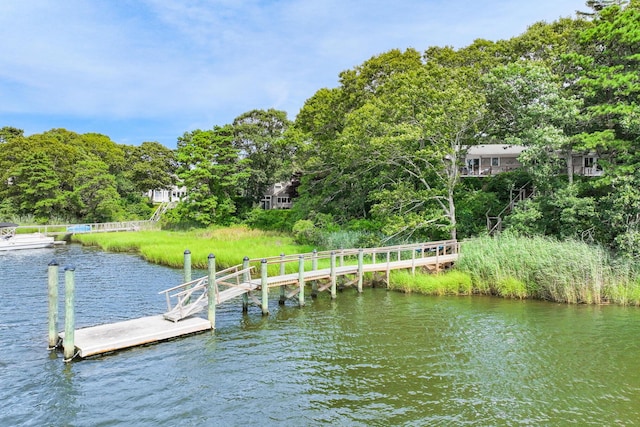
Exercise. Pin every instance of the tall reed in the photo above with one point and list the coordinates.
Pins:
(563, 271)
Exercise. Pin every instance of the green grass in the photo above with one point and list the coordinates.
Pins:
(229, 245)
(563, 271)
(449, 283)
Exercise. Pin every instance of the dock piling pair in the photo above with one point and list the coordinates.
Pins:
(68, 343)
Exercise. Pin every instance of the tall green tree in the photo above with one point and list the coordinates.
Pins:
(211, 169)
(333, 180)
(37, 186)
(415, 132)
(528, 107)
(150, 166)
(259, 139)
(605, 73)
(94, 192)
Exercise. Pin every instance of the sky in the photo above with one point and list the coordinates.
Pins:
(151, 70)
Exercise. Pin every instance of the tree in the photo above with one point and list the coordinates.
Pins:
(210, 167)
(8, 133)
(150, 166)
(528, 107)
(259, 139)
(333, 180)
(94, 192)
(38, 187)
(415, 132)
(604, 72)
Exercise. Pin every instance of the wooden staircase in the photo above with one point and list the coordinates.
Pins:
(494, 223)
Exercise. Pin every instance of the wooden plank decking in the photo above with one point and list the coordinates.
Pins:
(132, 333)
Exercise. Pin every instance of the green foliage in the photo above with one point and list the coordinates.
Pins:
(270, 220)
(259, 137)
(210, 168)
(151, 166)
(95, 196)
(305, 232)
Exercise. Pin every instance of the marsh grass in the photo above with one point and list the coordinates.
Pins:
(542, 268)
(230, 245)
(449, 283)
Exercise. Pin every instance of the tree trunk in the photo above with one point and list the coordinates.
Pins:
(569, 159)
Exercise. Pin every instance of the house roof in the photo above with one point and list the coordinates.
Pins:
(486, 150)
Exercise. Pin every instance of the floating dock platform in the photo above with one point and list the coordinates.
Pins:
(101, 339)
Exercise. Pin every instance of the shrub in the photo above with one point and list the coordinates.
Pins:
(305, 232)
(270, 220)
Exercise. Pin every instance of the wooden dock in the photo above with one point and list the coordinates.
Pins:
(132, 333)
(185, 301)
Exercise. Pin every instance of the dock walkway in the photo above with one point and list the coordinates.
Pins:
(188, 299)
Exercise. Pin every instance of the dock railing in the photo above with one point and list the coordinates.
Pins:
(96, 227)
(191, 297)
(370, 255)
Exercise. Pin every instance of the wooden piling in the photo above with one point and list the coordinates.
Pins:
(314, 267)
(212, 289)
(246, 279)
(333, 275)
(283, 288)
(264, 287)
(360, 269)
(69, 314)
(187, 266)
(53, 304)
(301, 280)
(413, 262)
(388, 266)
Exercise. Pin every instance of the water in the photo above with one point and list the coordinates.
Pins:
(377, 359)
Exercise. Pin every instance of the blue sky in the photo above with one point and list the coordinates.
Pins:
(150, 70)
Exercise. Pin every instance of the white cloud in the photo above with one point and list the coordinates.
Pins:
(192, 62)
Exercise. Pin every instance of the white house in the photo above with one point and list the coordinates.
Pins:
(174, 194)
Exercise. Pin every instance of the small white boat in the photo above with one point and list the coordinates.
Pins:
(10, 241)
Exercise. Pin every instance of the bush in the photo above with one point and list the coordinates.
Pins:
(270, 220)
(305, 232)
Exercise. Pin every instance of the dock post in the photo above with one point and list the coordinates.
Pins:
(68, 343)
(301, 280)
(283, 288)
(264, 287)
(314, 267)
(53, 304)
(413, 262)
(212, 290)
(388, 266)
(187, 266)
(246, 278)
(333, 275)
(360, 269)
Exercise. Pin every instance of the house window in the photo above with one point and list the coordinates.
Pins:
(589, 162)
(495, 162)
